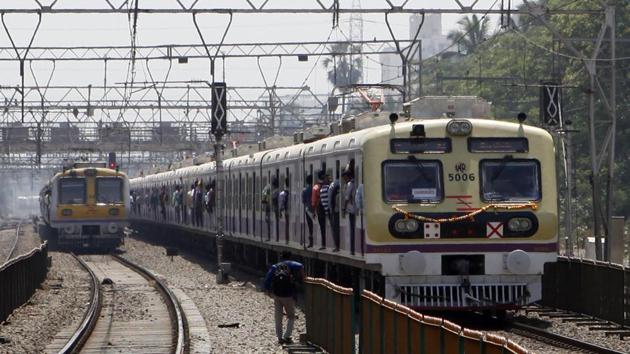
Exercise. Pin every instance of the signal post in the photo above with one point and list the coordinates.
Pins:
(218, 129)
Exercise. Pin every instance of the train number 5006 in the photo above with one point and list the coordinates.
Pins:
(458, 177)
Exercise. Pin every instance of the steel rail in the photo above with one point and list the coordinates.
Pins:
(81, 335)
(87, 325)
(557, 340)
(172, 303)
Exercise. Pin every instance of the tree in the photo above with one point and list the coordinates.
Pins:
(343, 71)
(526, 55)
(473, 31)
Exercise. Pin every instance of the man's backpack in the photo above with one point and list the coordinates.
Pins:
(282, 282)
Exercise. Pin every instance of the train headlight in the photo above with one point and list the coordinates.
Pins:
(459, 127)
(112, 228)
(412, 225)
(519, 224)
(66, 212)
(70, 229)
(409, 225)
(518, 262)
(412, 262)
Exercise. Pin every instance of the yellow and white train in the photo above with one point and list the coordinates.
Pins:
(87, 207)
(456, 213)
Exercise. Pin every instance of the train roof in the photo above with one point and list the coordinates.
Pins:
(347, 142)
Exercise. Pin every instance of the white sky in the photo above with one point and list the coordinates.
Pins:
(86, 29)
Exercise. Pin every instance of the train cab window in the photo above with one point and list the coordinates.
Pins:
(413, 181)
(109, 190)
(72, 191)
(510, 180)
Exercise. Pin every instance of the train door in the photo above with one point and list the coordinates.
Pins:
(286, 202)
(265, 211)
(255, 204)
(240, 196)
(359, 203)
(275, 187)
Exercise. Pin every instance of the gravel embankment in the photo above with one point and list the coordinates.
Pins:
(237, 302)
(29, 239)
(554, 325)
(579, 332)
(61, 301)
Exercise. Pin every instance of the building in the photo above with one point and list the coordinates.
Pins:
(433, 41)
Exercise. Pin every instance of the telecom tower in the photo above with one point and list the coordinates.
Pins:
(356, 35)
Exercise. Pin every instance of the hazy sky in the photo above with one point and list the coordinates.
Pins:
(74, 30)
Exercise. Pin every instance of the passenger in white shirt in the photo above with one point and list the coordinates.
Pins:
(349, 205)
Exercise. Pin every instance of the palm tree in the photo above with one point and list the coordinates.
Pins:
(342, 70)
(473, 31)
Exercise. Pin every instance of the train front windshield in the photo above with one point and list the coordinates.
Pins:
(412, 181)
(109, 190)
(72, 191)
(510, 180)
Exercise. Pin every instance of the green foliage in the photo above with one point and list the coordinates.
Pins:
(343, 70)
(514, 61)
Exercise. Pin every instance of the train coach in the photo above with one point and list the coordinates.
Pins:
(87, 207)
(453, 214)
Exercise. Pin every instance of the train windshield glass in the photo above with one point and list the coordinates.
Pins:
(72, 191)
(412, 181)
(510, 180)
(109, 190)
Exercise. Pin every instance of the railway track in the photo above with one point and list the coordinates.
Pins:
(557, 340)
(130, 311)
(8, 242)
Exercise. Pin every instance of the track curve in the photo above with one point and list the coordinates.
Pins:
(130, 311)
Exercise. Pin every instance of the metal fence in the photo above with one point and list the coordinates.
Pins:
(590, 287)
(386, 327)
(20, 277)
(330, 321)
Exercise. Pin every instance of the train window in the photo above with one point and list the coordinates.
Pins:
(72, 191)
(510, 180)
(412, 181)
(420, 146)
(109, 190)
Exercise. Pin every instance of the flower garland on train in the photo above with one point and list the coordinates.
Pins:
(408, 215)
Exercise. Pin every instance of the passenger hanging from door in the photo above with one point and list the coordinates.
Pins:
(308, 208)
(283, 205)
(320, 190)
(333, 209)
(275, 194)
(348, 205)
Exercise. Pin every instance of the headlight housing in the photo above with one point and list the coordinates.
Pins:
(408, 225)
(519, 224)
(112, 228)
(459, 127)
(70, 229)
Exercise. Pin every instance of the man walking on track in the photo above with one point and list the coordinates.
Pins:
(281, 284)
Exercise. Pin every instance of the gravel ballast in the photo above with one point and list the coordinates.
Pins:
(238, 303)
(61, 301)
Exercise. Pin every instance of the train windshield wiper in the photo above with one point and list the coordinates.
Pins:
(499, 171)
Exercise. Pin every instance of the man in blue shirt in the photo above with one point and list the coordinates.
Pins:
(280, 284)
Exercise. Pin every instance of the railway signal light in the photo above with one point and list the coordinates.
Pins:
(111, 161)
